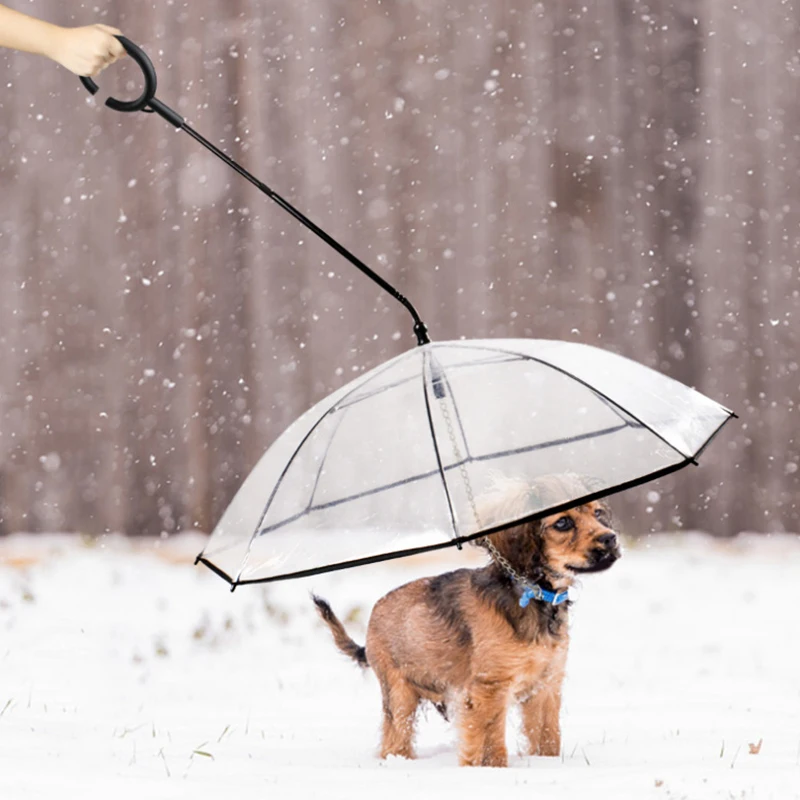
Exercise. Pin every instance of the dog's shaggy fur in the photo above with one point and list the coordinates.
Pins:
(462, 641)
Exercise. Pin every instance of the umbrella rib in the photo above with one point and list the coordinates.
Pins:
(325, 456)
(258, 531)
(274, 491)
(425, 394)
(455, 465)
(591, 388)
(515, 451)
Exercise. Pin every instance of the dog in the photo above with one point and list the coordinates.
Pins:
(473, 641)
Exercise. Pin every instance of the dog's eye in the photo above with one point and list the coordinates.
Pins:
(602, 514)
(564, 524)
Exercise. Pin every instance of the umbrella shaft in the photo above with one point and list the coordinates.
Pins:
(420, 329)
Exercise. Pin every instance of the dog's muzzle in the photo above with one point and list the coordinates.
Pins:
(602, 556)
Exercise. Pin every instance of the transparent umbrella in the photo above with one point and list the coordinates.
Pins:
(398, 461)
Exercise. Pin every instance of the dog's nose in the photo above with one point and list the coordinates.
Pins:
(608, 540)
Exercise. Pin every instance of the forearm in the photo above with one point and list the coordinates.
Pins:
(21, 32)
(84, 50)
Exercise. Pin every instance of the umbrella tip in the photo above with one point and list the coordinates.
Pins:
(421, 331)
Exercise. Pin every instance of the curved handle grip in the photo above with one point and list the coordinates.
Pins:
(149, 72)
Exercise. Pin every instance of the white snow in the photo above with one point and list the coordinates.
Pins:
(127, 672)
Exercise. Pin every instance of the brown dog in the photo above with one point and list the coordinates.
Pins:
(465, 641)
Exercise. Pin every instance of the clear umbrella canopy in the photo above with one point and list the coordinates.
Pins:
(398, 461)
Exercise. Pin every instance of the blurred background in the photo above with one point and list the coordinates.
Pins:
(620, 173)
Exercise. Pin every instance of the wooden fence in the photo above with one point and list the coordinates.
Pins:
(621, 173)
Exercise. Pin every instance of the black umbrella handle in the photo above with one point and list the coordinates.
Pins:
(147, 100)
(150, 80)
(149, 103)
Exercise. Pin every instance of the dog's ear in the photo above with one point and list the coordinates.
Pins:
(518, 544)
(505, 500)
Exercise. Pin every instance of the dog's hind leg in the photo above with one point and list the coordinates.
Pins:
(400, 703)
(482, 725)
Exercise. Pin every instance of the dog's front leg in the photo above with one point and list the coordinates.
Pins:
(482, 725)
(541, 724)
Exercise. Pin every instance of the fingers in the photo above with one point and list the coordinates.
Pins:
(96, 67)
(116, 51)
(110, 43)
(97, 62)
(87, 50)
(107, 48)
(115, 48)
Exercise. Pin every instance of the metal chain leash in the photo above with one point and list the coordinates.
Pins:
(461, 463)
(485, 540)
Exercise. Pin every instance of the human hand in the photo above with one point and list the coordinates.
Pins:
(86, 50)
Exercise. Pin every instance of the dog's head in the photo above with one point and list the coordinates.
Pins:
(559, 546)
(580, 539)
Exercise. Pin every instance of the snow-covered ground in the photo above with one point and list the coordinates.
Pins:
(127, 672)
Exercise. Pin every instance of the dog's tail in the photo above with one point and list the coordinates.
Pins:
(340, 637)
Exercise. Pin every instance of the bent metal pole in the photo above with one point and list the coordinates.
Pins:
(149, 103)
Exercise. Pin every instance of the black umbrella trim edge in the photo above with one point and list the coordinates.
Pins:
(359, 562)
(412, 551)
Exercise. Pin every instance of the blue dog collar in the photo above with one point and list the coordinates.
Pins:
(535, 592)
